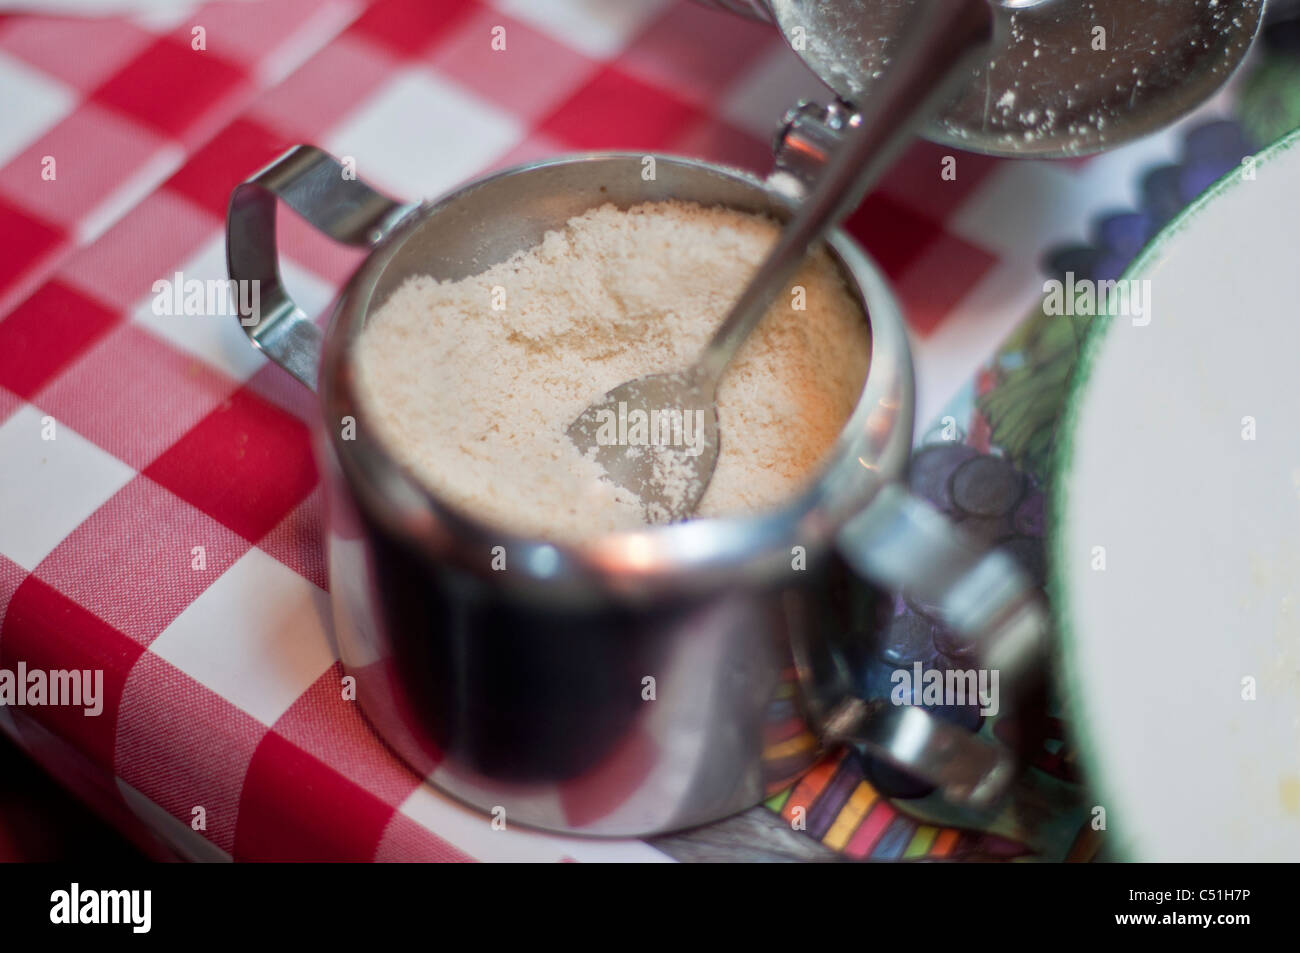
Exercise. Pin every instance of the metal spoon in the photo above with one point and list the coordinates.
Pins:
(671, 477)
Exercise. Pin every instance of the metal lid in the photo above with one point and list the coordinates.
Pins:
(1065, 77)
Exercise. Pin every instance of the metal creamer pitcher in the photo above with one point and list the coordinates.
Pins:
(1063, 77)
(526, 690)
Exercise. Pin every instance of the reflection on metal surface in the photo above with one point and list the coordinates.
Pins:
(1065, 77)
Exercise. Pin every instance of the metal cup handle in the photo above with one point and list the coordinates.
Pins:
(324, 192)
(903, 543)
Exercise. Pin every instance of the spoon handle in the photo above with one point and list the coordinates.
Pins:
(933, 50)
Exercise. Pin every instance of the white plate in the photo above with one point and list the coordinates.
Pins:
(1201, 534)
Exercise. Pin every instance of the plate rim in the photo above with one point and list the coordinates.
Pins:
(1065, 655)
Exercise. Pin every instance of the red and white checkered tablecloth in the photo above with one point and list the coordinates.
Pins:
(170, 433)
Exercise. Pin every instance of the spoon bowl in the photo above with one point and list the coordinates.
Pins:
(657, 436)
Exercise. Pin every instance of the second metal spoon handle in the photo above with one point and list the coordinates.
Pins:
(934, 50)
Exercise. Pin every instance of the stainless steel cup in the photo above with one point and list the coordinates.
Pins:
(633, 684)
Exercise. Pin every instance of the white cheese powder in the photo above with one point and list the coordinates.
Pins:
(472, 383)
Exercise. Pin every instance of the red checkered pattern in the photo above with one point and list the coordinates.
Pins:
(160, 515)
(98, 113)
